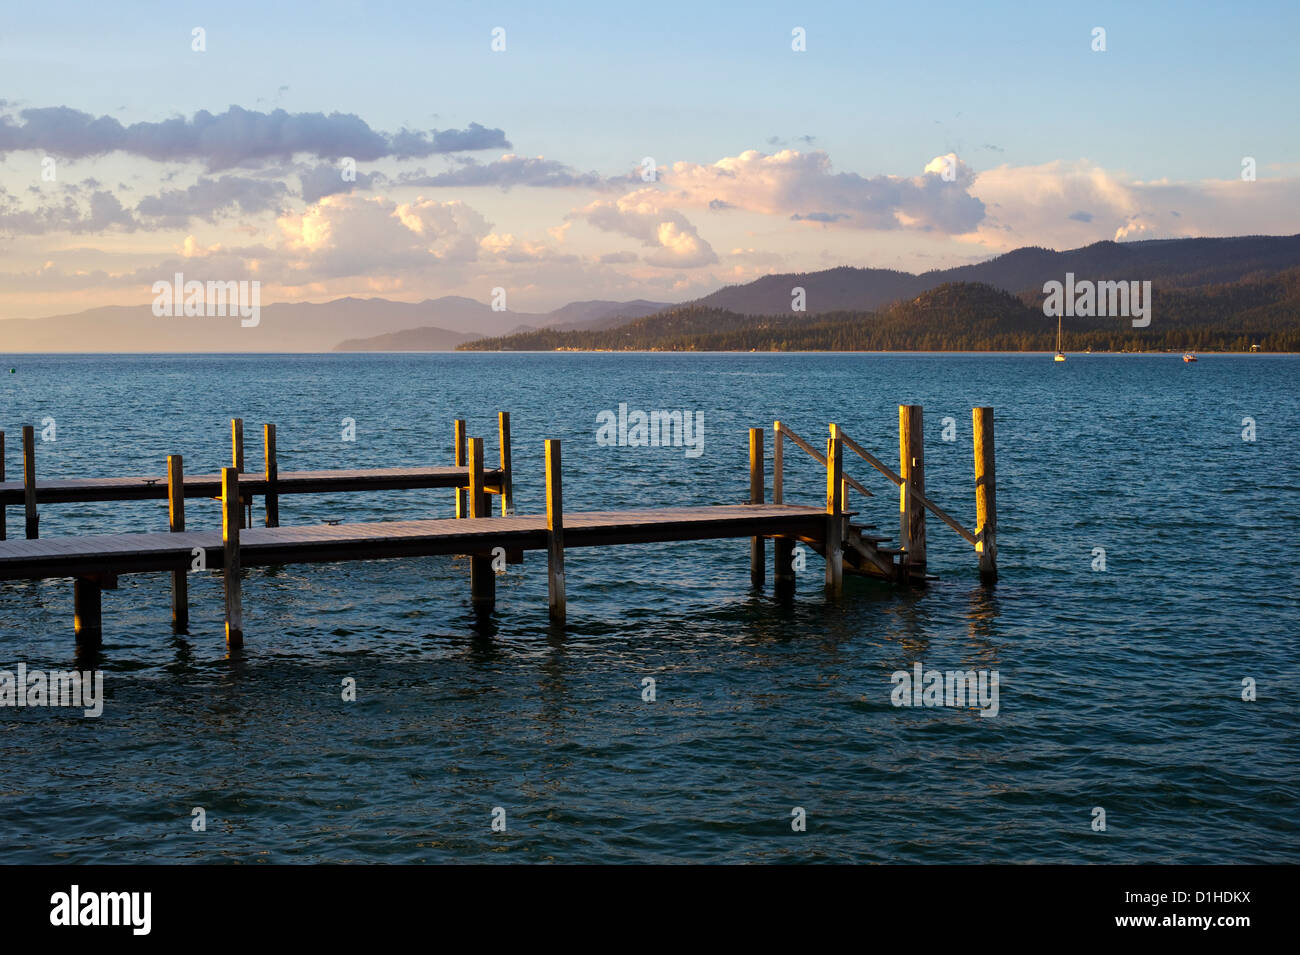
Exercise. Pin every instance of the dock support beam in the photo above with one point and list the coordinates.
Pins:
(554, 533)
(272, 497)
(29, 482)
(176, 524)
(462, 461)
(757, 548)
(782, 547)
(3, 509)
(482, 578)
(911, 468)
(507, 475)
(237, 460)
(230, 520)
(88, 620)
(834, 516)
(986, 498)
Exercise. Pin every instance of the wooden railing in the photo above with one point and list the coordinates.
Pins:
(913, 501)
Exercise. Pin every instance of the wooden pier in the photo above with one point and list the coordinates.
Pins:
(95, 561)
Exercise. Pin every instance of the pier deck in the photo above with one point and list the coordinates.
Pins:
(147, 487)
(115, 554)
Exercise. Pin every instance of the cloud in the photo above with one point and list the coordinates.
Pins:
(349, 235)
(317, 182)
(237, 137)
(803, 187)
(510, 170)
(100, 211)
(209, 199)
(1039, 205)
(640, 215)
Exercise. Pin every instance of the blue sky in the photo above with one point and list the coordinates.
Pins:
(1148, 137)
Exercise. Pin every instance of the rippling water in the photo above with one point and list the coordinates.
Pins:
(1119, 689)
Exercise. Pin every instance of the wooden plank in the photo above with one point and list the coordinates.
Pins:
(176, 524)
(757, 545)
(911, 460)
(507, 473)
(821, 459)
(272, 500)
(29, 482)
(555, 534)
(834, 517)
(986, 498)
(88, 613)
(778, 463)
(231, 512)
(482, 578)
(462, 461)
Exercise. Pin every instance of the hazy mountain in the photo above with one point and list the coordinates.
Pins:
(441, 323)
(601, 314)
(283, 327)
(1258, 311)
(424, 338)
(1166, 262)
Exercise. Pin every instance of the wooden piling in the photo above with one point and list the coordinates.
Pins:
(230, 521)
(272, 497)
(237, 444)
(3, 510)
(482, 578)
(462, 510)
(507, 475)
(88, 612)
(986, 498)
(176, 524)
(911, 468)
(237, 460)
(554, 533)
(834, 516)
(29, 482)
(757, 548)
(782, 547)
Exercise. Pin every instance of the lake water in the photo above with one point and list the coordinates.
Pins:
(1119, 688)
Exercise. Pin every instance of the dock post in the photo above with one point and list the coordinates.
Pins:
(507, 476)
(88, 612)
(272, 497)
(782, 547)
(230, 520)
(986, 498)
(554, 533)
(482, 578)
(237, 460)
(461, 461)
(3, 509)
(834, 516)
(29, 482)
(176, 524)
(757, 547)
(911, 468)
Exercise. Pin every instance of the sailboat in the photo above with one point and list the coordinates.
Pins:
(1060, 355)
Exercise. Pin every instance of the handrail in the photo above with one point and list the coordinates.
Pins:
(816, 455)
(871, 459)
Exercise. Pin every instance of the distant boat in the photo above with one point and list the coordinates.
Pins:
(1188, 356)
(1060, 355)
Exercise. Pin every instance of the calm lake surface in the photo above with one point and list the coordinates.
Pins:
(1120, 689)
